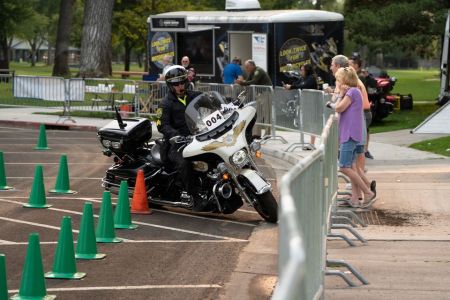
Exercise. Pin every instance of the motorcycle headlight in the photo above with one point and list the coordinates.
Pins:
(239, 158)
(116, 145)
(106, 143)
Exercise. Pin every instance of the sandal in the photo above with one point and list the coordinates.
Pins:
(369, 202)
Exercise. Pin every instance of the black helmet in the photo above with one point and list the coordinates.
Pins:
(176, 75)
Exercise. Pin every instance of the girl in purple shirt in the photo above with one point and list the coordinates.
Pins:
(349, 106)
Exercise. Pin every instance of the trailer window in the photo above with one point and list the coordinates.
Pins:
(199, 47)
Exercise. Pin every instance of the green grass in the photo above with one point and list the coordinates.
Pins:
(404, 119)
(42, 69)
(423, 85)
(91, 114)
(439, 146)
(85, 114)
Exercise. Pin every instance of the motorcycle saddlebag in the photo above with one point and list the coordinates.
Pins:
(135, 134)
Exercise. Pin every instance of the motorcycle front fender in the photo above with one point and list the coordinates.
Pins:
(259, 184)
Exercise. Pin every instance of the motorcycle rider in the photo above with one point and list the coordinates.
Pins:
(171, 122)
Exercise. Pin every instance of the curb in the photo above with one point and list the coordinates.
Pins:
(290, 158)
(58, 126)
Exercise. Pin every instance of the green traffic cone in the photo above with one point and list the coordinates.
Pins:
(105, 228)
(122, 214)
(42, 142)
(37, 196)
(62, 185)
(32, 286)
(3, 286)
(3, 185)
(86, 244)
(64, 264)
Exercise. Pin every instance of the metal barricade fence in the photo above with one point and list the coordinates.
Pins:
(312, 112)
(306, 199)
(286, 107)
(262, 96)
(327, 112)
(148, 96)
(101, 94)
(34, 91)
(223, 89)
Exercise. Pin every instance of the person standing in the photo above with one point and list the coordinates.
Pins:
(340, 61)
(186, 63)
(192, 74)
(349, 106)
(255, 75)
(232, 71)
(356, 63)
(308, 79)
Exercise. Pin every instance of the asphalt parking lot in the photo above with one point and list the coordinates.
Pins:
(173, 254)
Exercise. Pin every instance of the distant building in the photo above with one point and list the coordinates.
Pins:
(20, 50)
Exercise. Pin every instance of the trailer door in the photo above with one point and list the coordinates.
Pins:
(240, 43)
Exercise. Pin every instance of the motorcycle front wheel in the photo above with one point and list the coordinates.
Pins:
(266, 206)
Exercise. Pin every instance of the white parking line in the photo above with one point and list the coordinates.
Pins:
(2, 242)
(247, 211)
(33, 224)
(204, 218)
(139, 223)
(132, 287)
(56, 163)
(10, 243)
(77, 178)
(98, 200)
(49, 137)
(51, 153)
(50, 144)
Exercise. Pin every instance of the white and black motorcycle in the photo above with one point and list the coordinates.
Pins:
(221, 149)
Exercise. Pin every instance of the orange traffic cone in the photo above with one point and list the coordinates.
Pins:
(139, 204)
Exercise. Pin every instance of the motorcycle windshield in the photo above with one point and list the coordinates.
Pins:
(206, 112)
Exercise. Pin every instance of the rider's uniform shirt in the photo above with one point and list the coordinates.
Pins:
(171, 121)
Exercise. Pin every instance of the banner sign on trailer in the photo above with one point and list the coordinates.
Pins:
(259, 50)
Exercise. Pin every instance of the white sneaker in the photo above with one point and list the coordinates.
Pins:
(348, 186)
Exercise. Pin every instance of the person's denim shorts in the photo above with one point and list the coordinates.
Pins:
(347, 153)
(359, 149)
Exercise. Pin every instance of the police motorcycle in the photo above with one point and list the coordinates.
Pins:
(291, 108)
(221, 149)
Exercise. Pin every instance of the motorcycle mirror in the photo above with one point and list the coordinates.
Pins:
(174, 140)
(242, 95)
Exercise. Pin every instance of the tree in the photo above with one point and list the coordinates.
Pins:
(61, 66)
(12, 12)
(130, 22)
(39, 27)
(410, 27)
(96, 51)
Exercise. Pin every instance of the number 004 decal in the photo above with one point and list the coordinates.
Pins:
(214, 119)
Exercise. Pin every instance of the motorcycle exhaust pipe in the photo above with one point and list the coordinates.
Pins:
(223, 190)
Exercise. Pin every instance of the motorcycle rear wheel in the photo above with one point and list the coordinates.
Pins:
(267, 206)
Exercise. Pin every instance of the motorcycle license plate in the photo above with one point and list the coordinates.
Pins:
(213, 120)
